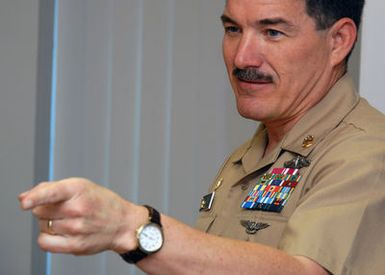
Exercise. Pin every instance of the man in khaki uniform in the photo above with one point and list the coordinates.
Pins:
(333, 215)
(304, 196)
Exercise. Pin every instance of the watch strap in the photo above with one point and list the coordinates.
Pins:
(132, 257)
(136, 255)
(153, 215)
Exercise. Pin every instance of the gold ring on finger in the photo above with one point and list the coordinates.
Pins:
(50, 227)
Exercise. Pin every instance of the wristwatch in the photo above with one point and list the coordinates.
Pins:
(150, 238)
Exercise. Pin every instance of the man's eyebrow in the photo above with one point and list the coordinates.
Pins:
(274, 21)
(262, 22)
(226, 19)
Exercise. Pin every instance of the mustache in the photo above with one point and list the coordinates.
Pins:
(252, 75)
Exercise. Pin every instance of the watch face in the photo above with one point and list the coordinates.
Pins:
(150, 238)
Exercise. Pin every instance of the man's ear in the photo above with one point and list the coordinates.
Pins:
(343, 35)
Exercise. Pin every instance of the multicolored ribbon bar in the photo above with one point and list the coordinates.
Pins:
(273, 190)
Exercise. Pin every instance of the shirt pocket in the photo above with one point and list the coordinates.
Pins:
(261, 227)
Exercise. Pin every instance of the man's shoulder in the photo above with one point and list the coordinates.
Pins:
(367, 119)
(359, 138)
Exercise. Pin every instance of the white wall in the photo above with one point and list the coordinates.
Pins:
(18, 56)
(372, 70)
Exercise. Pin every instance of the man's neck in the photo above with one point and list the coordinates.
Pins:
(276, 131)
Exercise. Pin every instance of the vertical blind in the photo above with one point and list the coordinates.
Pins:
(142, 106)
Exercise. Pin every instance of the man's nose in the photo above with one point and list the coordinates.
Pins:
(248, 52)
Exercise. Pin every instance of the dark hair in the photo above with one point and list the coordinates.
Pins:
(327, 12)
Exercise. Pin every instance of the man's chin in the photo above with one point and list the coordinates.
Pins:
(250, 114)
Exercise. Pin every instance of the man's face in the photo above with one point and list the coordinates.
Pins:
(281, 61)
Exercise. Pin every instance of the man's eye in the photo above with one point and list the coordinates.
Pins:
(273, 33)
(231, 29)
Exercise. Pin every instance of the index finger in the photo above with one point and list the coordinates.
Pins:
(45, 193)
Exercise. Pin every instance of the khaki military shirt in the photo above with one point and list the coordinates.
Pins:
(336, 213)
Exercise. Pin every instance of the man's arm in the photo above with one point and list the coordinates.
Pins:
(189, 251)
(88, 219)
